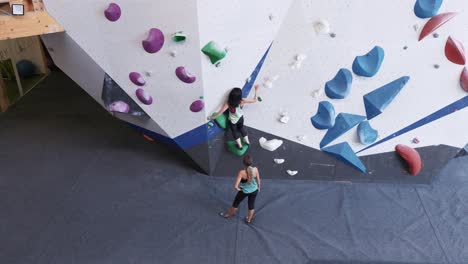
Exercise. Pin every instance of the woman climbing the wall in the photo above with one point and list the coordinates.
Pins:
(247, 185)
(235, 104)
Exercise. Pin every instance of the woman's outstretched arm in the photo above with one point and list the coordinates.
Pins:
(220, 112)
(254, 100)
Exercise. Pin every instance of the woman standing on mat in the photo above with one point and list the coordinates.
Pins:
(235, 103)
(247, 185)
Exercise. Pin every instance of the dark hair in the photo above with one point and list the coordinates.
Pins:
(235, 97)
(248, 161)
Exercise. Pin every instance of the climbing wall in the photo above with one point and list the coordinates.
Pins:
(342, 79)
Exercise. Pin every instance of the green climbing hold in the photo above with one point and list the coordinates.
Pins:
(221, 120)
(201, 97)
(215, 52)
(179, 36)
(232, 147)
(259, 99)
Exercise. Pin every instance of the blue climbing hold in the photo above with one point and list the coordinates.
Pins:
(377, 100)
(369, 64)
(325, 117)
(343, 152)
(340, 86)
(427, 8)
(25, 68)
(343, 123)
(366, 133)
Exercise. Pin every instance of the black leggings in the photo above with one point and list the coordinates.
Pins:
(241, 196)
(237, 127)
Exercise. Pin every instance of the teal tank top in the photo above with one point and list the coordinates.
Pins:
(249, 187)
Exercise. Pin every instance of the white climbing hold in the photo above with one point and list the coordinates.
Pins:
(284, 119)
(301, 137)
(278, 161)
(271, 17)
(300, 57)
(291, 172)
(268, 84)
(297, 63)
(317, 93)
(173, 53)
(148, 73)
(415, 27)
(322, 26)
(270, 145)
(248, 79)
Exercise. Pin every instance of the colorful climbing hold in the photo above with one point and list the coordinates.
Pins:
(454, 51)
(119, 106)
(411, 156)
(221, 120)
(291, 172)
(464, 79)
(435, 22)
(343, 152)
(113, 12)
(197, 106)
(144, 97)
(232, 147)
(427, 8)
(369, 64)
(137, 78)
(259, 99)
(278, 161)
(340, 86)
(214, 51)
(179, 36)
(325, 117)
(376, 101)
(184, 75)
(343, 123)
(154, 42)
(366, 133)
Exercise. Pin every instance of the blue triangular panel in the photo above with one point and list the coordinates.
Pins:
(343, 123)
(343, 152)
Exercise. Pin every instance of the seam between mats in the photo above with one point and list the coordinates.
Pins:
(432, 226)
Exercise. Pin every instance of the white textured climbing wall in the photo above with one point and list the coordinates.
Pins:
(358, 26)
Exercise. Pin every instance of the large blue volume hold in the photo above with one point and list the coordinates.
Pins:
(340, 86)
(343, 123)
(367, 135)
(369, 64)
(427, 8)
(325, 117)
(377, 100)
(343, 152)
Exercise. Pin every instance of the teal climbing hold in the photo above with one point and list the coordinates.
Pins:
(325, 117)
(369, 64)
(377, 100)
(427, 8)
(215, 52)
(232, 147)
(366, 133)
(340, 86)
(343, 152)
(343, 123)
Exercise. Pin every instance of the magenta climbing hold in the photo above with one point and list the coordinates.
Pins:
(119, 106)
(435, 23)
(197, 106)
(464, 79)
(454, 51)
(185, 75)
(154, 42)
(143, 96)
(113, 12)
(137, 78)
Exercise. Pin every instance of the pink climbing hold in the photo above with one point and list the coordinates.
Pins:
(137, 78)
(143, 96)
(112, 12)
(154, 42)
(464, 79)
(411, 156)
(197, 106)
(435, 22)
(119, 106)
(454, 51)
(185, 75)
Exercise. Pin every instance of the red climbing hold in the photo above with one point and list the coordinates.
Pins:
(454, 51)
(435, 22)
(411, 156)
(464, 79)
